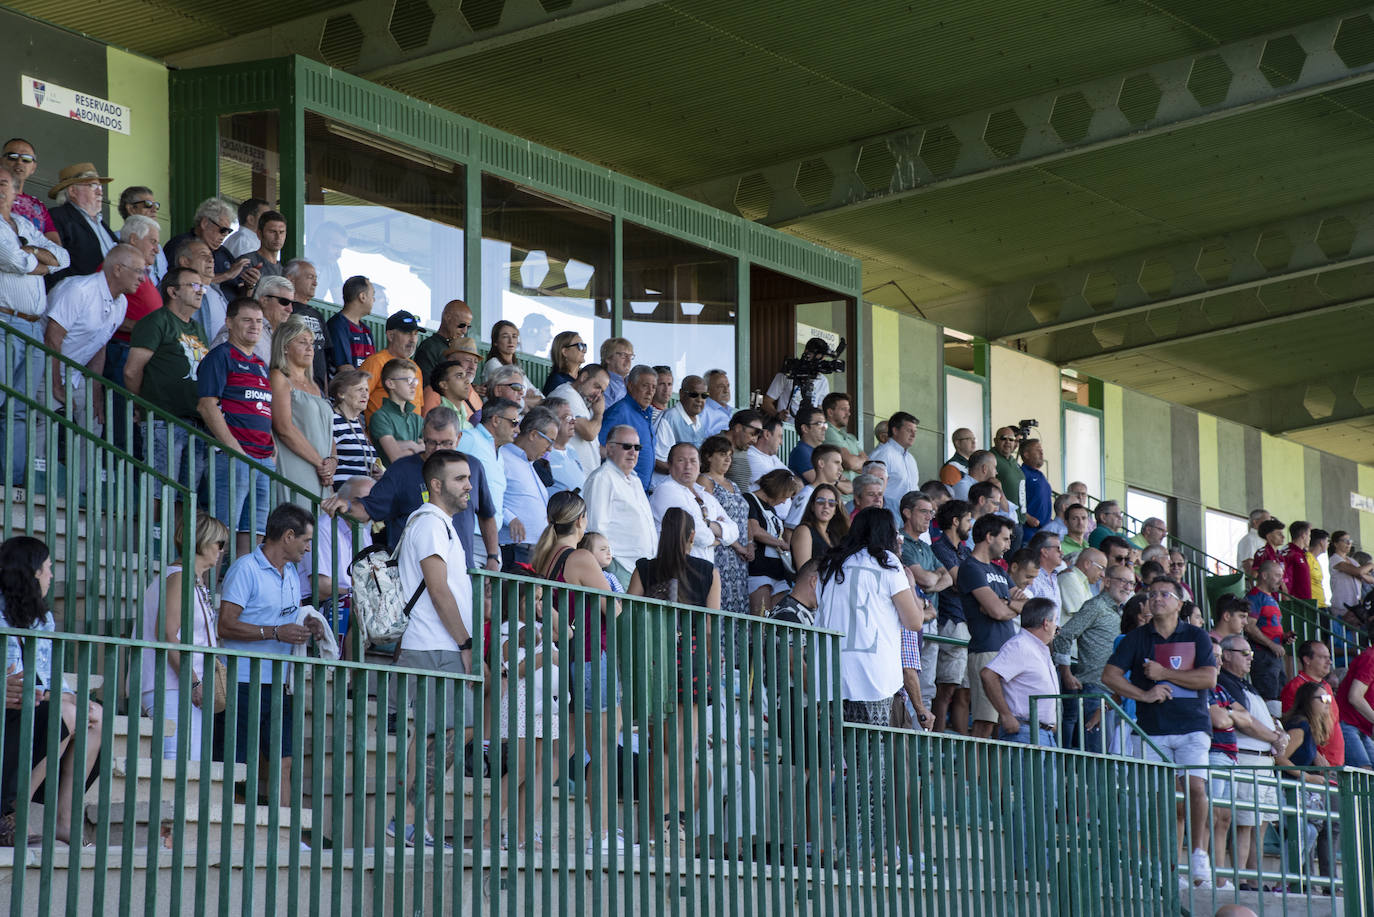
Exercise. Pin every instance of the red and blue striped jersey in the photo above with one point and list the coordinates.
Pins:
(240, 381)
(349, 344)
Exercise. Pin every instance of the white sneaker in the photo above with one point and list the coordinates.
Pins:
(618, 844)
(1200, 868)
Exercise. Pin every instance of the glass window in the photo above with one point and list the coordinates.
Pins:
(389, 212)
(1141, 506)
(250, 157)
(546, 266)
(964, 408)
(680, 304)
(1083, 450)
(1222, 534)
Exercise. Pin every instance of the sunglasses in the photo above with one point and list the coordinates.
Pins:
(544, 436)
(693, 394)
(628, 447)
(515, 386)
(580, 345)
(825, 502)
(151, 205)
(223, 230)
(280, 299)
(21, 157)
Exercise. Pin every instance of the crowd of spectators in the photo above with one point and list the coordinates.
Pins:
(960, 597)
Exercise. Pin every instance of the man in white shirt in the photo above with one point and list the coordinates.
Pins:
(828, 465)
(83, 314)
(713, 525)
(902, 473)
(784, 396)
(500, 420)
(682, 423)
(434, 570)
(617, 506)
(26, 257)
(1252, 542)
(586, 396)
(763, 454)
(526, 509)
(244, 240)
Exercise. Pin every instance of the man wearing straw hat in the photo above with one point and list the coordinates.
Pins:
(83, 230)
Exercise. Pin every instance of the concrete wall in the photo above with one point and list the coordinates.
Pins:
(1024, 388)
(53, 55)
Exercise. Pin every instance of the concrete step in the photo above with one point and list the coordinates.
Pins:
(124, 725)
(139, 787)
(164, 816)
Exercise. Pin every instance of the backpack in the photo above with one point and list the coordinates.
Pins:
(380, 608)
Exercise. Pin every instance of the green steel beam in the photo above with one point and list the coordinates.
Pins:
(1323, 400)
(1245, 76)
(1086, 294)
(381, 39)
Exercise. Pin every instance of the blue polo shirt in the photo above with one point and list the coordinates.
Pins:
(268, 598)
(799, 461)
(401, 490)
(1186, 711)
(1039, 498)
(627, 411)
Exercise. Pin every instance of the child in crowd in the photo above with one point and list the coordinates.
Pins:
(600, 548)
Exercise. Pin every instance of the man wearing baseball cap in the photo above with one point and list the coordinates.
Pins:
(402, 334)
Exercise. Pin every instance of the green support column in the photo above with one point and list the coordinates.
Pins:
(742, 329)
(291, 190)
(472, 246)
(617, 274)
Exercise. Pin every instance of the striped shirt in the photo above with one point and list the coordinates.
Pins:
(350, 344)
(356, 452)
(239, 380)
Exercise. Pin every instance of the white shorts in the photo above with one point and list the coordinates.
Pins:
(951, 667)
(979, 706)
(1219, 788)
(1190, 750)
(1249, 791)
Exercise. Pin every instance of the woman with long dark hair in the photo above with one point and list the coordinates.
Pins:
(25, 575)
(1309, 724)
(665, 650)
(865, 594)
(823, 524)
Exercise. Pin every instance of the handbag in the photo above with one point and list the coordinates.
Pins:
(219, 673)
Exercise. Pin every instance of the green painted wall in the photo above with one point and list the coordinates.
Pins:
(1024, 388)
(902, 369)
(141, 157)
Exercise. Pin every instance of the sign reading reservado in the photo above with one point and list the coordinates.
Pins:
(78, 106)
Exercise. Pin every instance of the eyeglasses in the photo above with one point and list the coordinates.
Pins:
(149, 204)
(21, 157)
(628, 447)
(628, 356)
(544, 436)
(693, 394)
(1240, 652)
(1120, 581)
(580, 345)
(1093, 563)
(1161, 596)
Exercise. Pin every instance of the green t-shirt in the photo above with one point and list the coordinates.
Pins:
(1013, 481)
(845, 440)
(169, 379)
(388, 420)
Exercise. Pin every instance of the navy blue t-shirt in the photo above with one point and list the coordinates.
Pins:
(1188, 647)
(401, 490)
(950, 556)
(985, 634)
(800, 459)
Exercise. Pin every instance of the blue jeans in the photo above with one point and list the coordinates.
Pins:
(1359, 748)
(1027, 784)
(232, 506)
(1082, 711)
(13, 355)
(168, 452)
(116, 355)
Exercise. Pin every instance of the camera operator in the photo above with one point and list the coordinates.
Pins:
(801, 381)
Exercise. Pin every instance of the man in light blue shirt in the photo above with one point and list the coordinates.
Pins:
(257, 612)
(682, 423)
(500, 420)
(719, 406)
(525, 511)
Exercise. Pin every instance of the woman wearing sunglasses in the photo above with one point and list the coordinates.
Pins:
(568, 353)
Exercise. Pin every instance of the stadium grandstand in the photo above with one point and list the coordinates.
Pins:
(845, 459)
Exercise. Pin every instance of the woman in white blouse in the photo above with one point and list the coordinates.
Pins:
(211, 538)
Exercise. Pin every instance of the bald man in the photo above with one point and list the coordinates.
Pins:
(455, 322)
